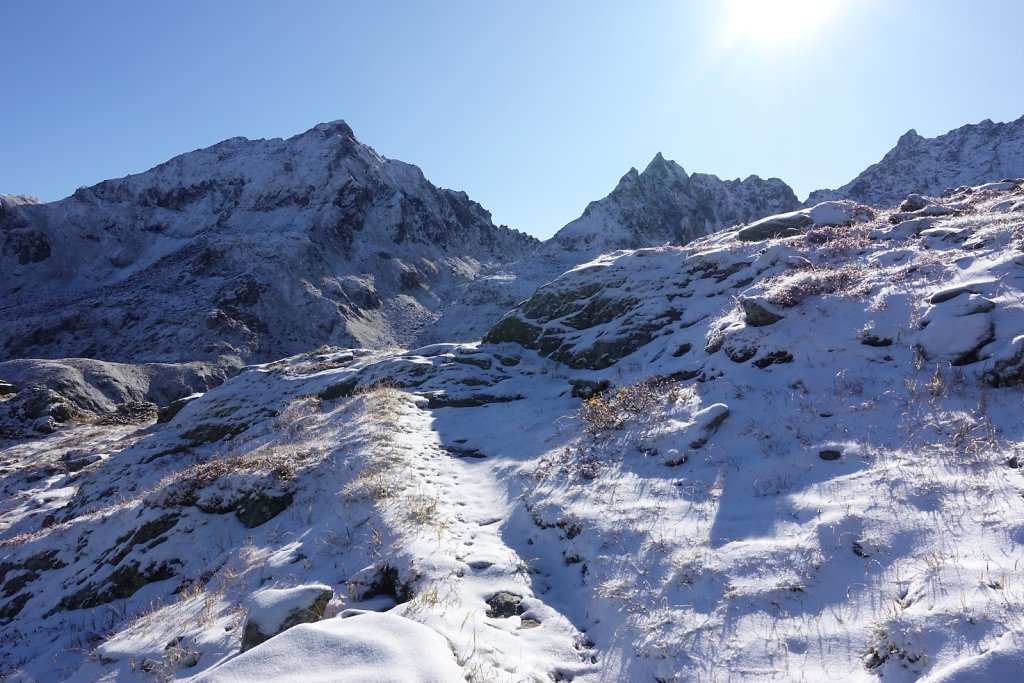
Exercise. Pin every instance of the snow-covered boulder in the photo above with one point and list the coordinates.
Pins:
(275, 610)
(706, 422)
(837, 213)
(365, 648)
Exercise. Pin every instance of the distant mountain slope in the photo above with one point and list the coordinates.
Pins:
(255, 248)
(665, 205)
(970, 155)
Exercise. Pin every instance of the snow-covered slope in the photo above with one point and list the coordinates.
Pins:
(968, 156)
(754, 457)
(253, 248)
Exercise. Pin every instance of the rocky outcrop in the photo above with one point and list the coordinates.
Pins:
(54, 391)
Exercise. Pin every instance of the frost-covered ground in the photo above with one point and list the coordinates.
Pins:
(752, 458)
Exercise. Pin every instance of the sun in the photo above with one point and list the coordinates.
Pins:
(773, 22)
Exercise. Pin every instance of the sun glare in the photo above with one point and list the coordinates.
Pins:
(774, 22)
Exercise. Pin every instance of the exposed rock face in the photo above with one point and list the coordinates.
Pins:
(55, 391)
(254, 248)
(665, 205)
(969, 155)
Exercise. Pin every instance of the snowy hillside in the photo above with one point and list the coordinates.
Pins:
(251, 248)
(970, 155)
(785, 451)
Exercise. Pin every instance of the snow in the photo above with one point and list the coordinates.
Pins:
(366, 648)
(256, 249)
(780, 501)
(270, 607)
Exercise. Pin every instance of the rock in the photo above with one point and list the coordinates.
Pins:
(905, 229)
(957, 339)
(1008, 369)
(830, 454)
(122, 583)
(706, 423)
(38, 401)
(783, 225)
(870, 339)
(981, 287)
(377, 581)
(440, 399)
(45, 425)
(213, 431)
(342, 389)
(7, 389)
(914, 202)
(758, 312)
(132, 412)
(60, 412)
(585, 388)
(365, 647)
(167, 413)
(275, 610)
(504, 605)
(832, 213)
(76, 460)
(958, 306)
(798, 263)
(773, 358)
(259, 507)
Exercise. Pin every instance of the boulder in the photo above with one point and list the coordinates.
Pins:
(275, 610)
(957, 339)
(706, 423)
(166, 413)
(758, 313)
(504, 605)
(362, 648)
(783, 225)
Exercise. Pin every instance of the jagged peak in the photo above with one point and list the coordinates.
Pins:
(910, 137)
(661, 166)
(331, 128)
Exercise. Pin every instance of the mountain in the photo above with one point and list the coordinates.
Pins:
(792, 452)
(249, 248)
(970, 155)
(662, 205)
(665, 205)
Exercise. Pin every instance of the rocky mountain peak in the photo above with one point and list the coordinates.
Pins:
(252, 248)
(909, 139)
(661, 167)
(665, 205)
(332, 128)
(967, 156)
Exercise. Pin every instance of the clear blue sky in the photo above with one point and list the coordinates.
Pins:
(534, 107)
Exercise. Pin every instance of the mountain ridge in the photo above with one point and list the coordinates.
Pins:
(271, 239)
(262, 248)
(969, 155)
